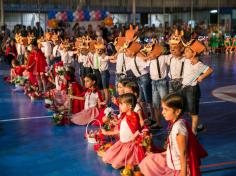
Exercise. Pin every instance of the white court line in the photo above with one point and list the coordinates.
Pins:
(211, 102)
(25, 118)
(41, 117)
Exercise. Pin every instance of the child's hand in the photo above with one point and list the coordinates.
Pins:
(103, 103)
(104, 131)
(133, 138)
(199, 79)
(113, 99)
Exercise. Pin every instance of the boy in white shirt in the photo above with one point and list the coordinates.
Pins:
(139, 68)
(119, 59)
(100, 68)
(56, 55)
(47, 45)
(158, 74)
(194, 72)
(66, 54)
(176, 62)
(20, 48)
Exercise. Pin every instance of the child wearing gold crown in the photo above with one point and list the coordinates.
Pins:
(176, 62)
(85, 57)
(158, 66)
(20, 48)
(194, 73)
(56, 55)
(47, 45)
(100, 68)
(66, 53)
(30, 38)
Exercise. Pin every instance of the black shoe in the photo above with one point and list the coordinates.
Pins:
(201, 128)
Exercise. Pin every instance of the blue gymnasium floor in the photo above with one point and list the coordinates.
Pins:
(34, 146)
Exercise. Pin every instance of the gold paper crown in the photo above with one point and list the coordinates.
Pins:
(99, 44)
(84, 44)
(65, 44)
(148, 47)
(176, 38)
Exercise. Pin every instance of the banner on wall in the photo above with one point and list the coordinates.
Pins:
(85, 17)
(79, 15)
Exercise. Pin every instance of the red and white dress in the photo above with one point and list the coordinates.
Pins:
(125, 151)
(38, 60)
(90, 110)
(168, 163)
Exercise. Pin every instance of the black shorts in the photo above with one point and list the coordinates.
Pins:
(192, 96)
(105, 79)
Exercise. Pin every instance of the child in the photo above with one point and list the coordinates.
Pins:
(56, 55)
(183, 151)
(101, 68)
(47, 45)
(176, 62)
(158, 73)
(119, 59)
(66, 53)
(93, 101)
(133, 88)
(125, 151)
(194, 72)
(11, 52)
(37, 63)
(85, 59)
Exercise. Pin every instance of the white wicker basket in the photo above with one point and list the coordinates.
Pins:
(92, 140)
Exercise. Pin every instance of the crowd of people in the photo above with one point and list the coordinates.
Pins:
(157, 75)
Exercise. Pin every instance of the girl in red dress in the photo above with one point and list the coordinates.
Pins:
(126, 150)
(37, 64)
(183, 153)
(92, 103)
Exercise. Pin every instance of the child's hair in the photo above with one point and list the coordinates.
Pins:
(129, 99)
(174, 101)
(92, 77)
(124, 81)
(15, 62)
(134, 87)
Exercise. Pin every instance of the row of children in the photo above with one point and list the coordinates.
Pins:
(147, 67)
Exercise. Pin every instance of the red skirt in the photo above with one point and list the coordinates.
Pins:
(85, 116)
(121, 154)
(156, 165)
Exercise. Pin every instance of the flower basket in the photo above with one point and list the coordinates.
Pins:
(93, 137)
(60, 119)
